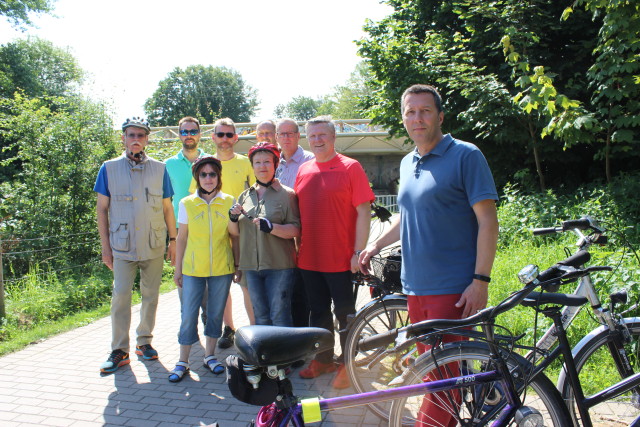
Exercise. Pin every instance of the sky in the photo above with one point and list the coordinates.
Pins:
(282, 48)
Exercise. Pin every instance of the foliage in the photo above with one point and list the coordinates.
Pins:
(17, 11)
(60, 153)
(345, 101)
(458, 46)
(37, 68)
(207, 93)
(616, 206)
(299, 108)
(45, 303)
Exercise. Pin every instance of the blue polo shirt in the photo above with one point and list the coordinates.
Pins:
(179, 169)
(438, 228)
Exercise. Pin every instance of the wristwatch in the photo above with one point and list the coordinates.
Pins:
(482, 278)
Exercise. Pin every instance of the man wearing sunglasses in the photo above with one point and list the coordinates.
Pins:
(237, 176)
(179, 170)
(179, 166)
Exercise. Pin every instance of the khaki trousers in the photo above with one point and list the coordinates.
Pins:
(124, 274)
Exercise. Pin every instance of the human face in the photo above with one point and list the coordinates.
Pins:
(263, 166)
(322, 141)
(288, 138)
(135, 139)
(422, 120)
(207, 182)
(224, 143)
(189, 142)
(266, 132)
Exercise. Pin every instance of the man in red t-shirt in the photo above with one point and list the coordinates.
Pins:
(335, 213)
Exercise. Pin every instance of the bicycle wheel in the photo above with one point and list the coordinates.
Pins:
(366, 370)
(479, 404)
(597, 371)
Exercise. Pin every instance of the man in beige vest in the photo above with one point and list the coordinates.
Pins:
(134, 214)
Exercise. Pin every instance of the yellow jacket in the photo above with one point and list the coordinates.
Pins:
(208, 251)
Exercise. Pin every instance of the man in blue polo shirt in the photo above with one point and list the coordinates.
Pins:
(448, 224)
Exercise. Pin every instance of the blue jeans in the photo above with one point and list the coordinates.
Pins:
(192, 291)
(270, 292)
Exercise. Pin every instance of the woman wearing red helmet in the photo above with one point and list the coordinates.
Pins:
(267, 218)
(205, 260)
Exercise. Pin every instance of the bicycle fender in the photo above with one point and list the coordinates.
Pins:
(562, 378)
(376, 301)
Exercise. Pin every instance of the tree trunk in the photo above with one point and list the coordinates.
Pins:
(536, 156)
(607, 157)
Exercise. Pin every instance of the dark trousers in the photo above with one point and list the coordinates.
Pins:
(299, 304)
(322, 289)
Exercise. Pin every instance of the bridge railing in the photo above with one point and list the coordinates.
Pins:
(247, 131)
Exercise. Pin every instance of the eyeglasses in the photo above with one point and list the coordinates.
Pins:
(286, 134)
(223, 134)
(135, 135)
(192, 132)
(208, 174)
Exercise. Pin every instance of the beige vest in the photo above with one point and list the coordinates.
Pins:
(137, 230)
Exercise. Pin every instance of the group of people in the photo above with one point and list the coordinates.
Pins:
(290, 226)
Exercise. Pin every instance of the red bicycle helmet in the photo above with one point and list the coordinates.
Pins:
(268, 147)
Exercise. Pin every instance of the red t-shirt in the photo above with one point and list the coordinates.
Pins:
(328, 194)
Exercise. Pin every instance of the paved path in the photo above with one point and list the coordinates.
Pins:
(57, 382)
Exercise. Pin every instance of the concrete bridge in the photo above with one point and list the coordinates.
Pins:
(372, 146)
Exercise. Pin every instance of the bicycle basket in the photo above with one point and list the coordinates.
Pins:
(242, 389)
(388, 271)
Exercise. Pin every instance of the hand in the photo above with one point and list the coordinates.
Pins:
(474, 298)
(107, 257)
(355, 265)
(234, 212)
(171, 252)
(237, 276)
(264, 224)
(177, 279)
(365, 257)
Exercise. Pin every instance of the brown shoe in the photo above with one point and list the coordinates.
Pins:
(315, 369)
(342, 379)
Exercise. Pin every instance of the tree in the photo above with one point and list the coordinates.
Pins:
(37, 68)
(457, 47)
(299, 108)
(17, 11)
(346, 101)
(208, 93)
(52, 194)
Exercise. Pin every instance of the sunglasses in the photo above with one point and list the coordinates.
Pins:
(208, 174)
(192, 132)
(223, 134)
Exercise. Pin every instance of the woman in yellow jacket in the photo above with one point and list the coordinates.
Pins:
(206, 259)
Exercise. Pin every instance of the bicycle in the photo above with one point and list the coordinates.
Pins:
(614, 343)
(494, 366)
(611, 352)
(371, 370)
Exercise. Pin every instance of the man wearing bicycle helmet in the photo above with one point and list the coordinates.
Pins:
(134, 213)
(335, 212)
(448, 224)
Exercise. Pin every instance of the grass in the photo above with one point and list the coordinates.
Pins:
(36, 307)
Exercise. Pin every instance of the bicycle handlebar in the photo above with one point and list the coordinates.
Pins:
(562, 271)
(585, 223)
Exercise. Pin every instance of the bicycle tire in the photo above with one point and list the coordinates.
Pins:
(597, 371)
(377, 318)
(481, 403)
